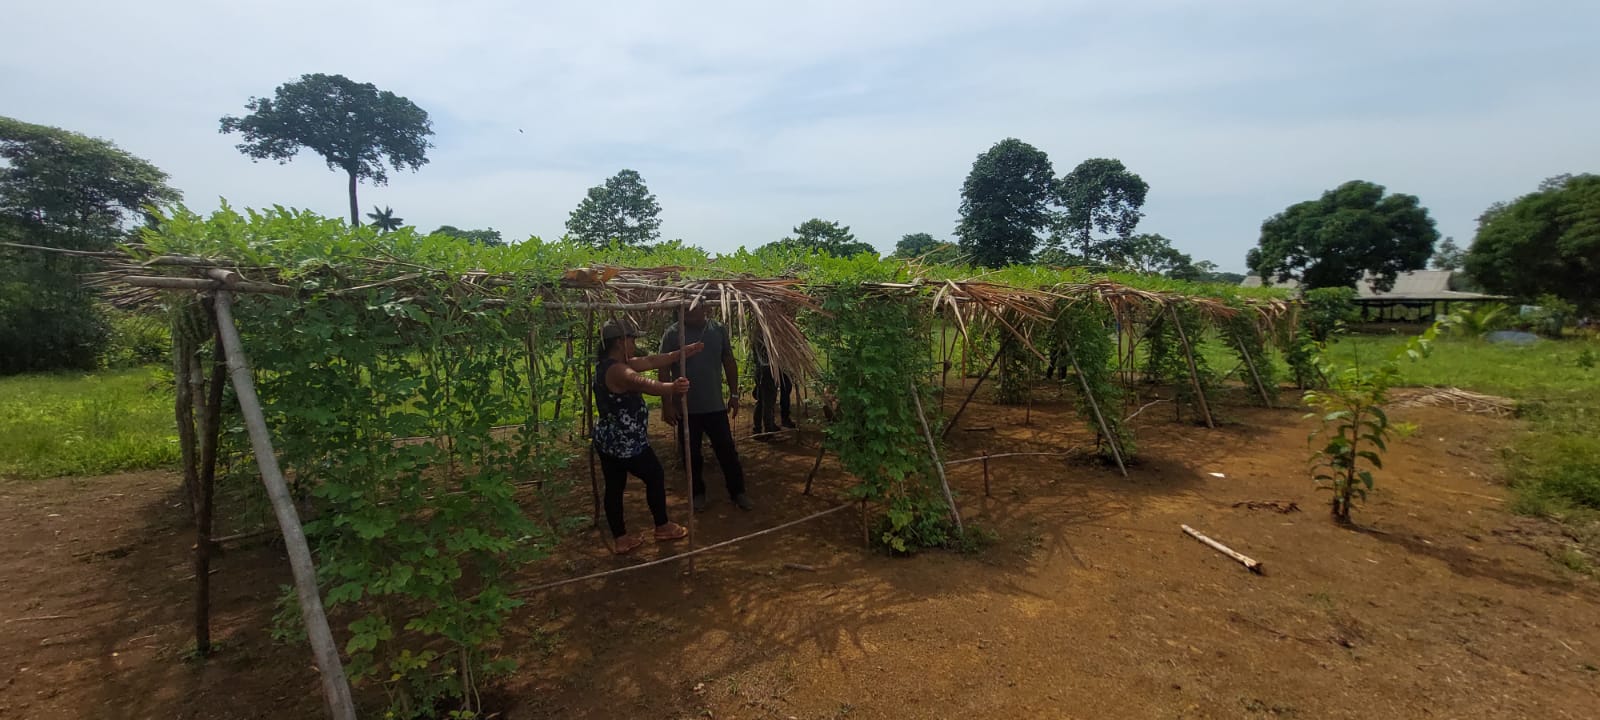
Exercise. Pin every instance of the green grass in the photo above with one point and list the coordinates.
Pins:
(1554, 467)
(86, 423)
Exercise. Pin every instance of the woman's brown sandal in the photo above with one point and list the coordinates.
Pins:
(626, 544)
(671, 531)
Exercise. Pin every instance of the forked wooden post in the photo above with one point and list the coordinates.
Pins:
(986, 474)
(1194, 370)
(210, 427)
(1100, 418)
(970, 393)
(335, 687)
(588, 394)
(683, 425)
(933, 450)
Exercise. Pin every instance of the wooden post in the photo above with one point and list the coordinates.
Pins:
(335, 687)
(683, 424)
(986, 474)
(1266, 398)
(822, 448)
(1194, 370)
(933, 451)
(866, 530)
(1094, 404)
(210, 429)
(588, 395)
(183, 410)
(970, 393)
(533, 376)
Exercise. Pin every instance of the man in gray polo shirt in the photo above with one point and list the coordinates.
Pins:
(708, 415)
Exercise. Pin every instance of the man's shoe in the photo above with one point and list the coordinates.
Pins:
(788, 423)
(743, 501)
(699, 503)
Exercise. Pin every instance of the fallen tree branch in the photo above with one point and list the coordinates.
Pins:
(1254, 566)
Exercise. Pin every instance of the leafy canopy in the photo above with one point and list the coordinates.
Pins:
(622, 209)
(355, 127)
(488, 237)
(1005, 203)
(1148, 253)
(923, 246)
(65, 190)
(824, 236)
(1099, 194)
(1448, 256)
(1352, 230)
(1547, 242)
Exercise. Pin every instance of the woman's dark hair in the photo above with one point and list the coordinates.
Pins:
(605, 347)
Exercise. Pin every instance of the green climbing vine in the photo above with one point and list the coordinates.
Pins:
(1244, 335)
(1165, 360)
(876, 345)
(1085, 330)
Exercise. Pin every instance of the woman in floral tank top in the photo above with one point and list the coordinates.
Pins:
(620, 437)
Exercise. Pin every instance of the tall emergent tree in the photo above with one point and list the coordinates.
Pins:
(1351, 230)
(488, 237)
(63, 190)
(1099, 194)
(1448, 256)
(1005, 202)
(354, 126)
(825, 236)
(1547, 242)
(621, 209)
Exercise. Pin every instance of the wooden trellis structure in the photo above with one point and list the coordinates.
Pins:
(770, 307)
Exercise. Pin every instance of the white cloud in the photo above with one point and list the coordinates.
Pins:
(747, 119)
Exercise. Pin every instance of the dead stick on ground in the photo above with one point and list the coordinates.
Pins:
(1253, 565)
(798, 566)
(39, 618)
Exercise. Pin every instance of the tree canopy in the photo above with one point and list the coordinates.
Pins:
(1005, 202)
(1448, 256)
(621, 209)
(1547, 242)
(1148, 253)
(924, 246)
(824, 236)
(488, 237)
(64, 190)
(354, 126)
(1350, 231)
(1100, 194)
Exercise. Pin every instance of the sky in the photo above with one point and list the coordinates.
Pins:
(748, 118)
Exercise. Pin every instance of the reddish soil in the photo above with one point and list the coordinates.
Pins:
(1091, 603)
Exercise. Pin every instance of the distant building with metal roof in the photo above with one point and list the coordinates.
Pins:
(1417, 296)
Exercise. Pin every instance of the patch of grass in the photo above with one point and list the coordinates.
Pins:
(1554, 468)
(86, 423)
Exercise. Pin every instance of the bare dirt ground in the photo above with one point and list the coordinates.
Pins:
(1091, 603)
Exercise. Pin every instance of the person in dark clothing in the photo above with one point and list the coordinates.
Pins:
(708, 414)
(770, 391)
(620, 432)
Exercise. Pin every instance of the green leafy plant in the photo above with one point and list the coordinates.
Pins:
(1586, 359)
(1354, 430)
(1481, 320)
(1245, 335)
(1085, 330)
(1166, 362)
(875, 345)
